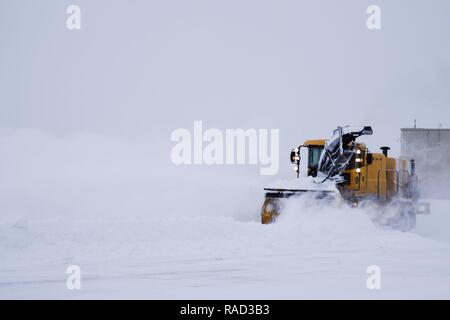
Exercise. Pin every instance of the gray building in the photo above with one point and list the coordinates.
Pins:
(431, 150)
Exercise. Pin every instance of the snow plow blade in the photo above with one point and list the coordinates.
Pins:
(273, 201)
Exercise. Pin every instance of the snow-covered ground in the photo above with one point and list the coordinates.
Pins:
(180, 232)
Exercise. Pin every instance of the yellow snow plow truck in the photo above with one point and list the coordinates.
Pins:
(360, 176)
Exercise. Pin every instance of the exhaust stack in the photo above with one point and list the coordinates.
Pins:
(385, 150)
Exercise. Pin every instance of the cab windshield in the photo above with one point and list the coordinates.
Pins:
(314, 157)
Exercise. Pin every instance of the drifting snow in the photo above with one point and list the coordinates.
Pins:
(303, 183)
(140, 227)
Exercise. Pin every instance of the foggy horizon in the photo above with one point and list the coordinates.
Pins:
(157, 66)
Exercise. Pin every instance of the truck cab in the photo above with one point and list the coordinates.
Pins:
(315, 149)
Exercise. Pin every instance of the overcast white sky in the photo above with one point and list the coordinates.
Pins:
(153, 66)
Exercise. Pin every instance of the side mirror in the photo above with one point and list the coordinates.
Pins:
(295, 159)
(295, 155)
(292, 156)
(369, 159)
